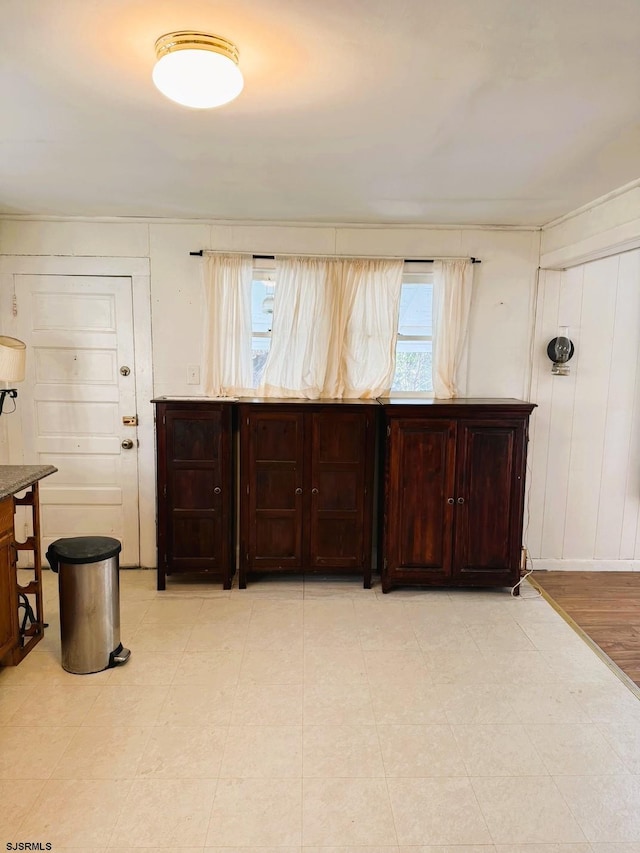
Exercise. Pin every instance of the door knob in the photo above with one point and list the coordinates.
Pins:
(127, 444)
(450, 500)
(124, 370)
(298, 491)
(314, 491)
(460, 500)
(217, 490)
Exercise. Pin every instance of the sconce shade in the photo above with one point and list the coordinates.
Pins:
(560, 350)
(197, 69)
(12, 359)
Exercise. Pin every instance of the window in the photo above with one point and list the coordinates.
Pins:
(414, 346)
(262, 295)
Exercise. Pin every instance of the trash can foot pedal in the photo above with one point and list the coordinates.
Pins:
(119, 656)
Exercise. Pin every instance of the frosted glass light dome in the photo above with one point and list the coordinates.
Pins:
(197, 70)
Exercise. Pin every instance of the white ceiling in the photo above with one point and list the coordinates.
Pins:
(395, 111)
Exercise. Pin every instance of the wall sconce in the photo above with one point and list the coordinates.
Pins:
(12, 363)
(560, 350)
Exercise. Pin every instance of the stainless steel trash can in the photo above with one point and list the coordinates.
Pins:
(89, 587)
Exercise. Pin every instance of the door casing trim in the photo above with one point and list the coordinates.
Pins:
(138, 270)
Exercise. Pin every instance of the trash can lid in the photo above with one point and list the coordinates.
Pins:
(83, 549)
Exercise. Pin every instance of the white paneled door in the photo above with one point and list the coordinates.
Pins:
(78, 394)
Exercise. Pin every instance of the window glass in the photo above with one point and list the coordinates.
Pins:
(414, 346)
(262, 294)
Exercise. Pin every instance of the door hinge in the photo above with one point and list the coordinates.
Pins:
(247, 488)
(384, 563)
(14, 305)
(164, 420)
(388, 431)
(164, 491)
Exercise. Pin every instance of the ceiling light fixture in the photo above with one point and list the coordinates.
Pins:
(197, 69)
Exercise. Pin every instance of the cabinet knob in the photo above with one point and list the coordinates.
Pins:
(298, 491)
(217, 490)
(314, 491)
(460, 500)
(450, 500)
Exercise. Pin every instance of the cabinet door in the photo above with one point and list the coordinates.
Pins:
(272, 489)
(341, 450)
(489, 501)
(418, 531)
(198, 485)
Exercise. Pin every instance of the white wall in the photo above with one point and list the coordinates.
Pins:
(607, 226)
(501, 320)
(584, 458)
(585, 455)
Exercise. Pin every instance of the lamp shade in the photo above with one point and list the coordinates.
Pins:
(13, 356)
(197, 69)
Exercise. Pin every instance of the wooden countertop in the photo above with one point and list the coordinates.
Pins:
(194, 399)
(15, 478)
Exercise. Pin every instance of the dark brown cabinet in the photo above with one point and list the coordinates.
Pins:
(306, 487)
(454, 478)
(195, 491)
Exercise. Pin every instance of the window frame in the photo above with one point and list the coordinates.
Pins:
(415, 273)
(264, 269)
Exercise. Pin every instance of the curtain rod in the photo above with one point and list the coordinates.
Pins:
(202, 252)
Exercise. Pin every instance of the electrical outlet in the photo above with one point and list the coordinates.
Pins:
(193, 374)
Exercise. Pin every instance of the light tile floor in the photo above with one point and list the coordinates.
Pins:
(318, 715)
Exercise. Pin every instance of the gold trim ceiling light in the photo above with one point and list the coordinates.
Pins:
(197, 70)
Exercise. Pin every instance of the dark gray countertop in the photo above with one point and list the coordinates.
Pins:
(15, 478)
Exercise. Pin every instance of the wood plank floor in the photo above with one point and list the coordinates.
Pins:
(606, 605)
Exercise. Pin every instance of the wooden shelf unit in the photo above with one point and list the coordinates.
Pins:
(16, 642)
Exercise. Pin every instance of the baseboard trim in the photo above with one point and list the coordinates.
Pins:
(585, 565)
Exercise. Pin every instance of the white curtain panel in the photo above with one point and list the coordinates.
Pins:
(335, 325)
(370, 300)
(303, 308)
(452, 291)
(227, 339)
